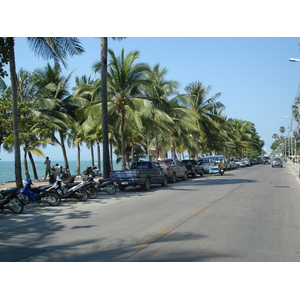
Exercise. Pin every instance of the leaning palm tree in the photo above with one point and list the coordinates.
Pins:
(56, 48)
(55, 107)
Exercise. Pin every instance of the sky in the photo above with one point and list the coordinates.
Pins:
(244, 56)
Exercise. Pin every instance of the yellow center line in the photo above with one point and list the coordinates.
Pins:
(201, 208)
(154, 237)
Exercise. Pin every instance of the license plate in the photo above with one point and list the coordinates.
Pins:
(124, 182)
(20, 196)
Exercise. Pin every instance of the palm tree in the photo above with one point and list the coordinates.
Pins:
(55, 107)
(196, 100)
(103, 61)
(125, 80)
(158, 92)
(55, 48)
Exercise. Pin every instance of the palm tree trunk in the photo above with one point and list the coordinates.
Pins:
(92, 154)
(123, 152)
(111, 155)
(33, 165)
(106, 165)
(13, 78)
(99, 156)
(26, 165)
(63, 149)
(78, 159)
(157, 147)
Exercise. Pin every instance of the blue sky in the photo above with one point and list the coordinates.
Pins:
(257, 81)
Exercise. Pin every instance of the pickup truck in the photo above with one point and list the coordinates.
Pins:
(174, 169)
(143, 173)
(193, 167)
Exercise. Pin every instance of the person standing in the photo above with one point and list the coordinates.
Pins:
(48, 166)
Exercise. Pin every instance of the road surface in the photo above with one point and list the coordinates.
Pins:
(248, 215)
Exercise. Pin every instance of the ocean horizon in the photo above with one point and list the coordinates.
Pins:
(7, 168)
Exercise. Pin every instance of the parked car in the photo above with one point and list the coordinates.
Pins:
(259, 160)
(174, 169)
(234, 165)
(240, 162)
(193, 167)
(227, 165)
(205, 162)
(253, 161)
(143, 173)
(247, 161)
(276, 162)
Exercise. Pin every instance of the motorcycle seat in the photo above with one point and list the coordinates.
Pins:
(42, 187)
(104, 180)
(8, 191)
(71, 184)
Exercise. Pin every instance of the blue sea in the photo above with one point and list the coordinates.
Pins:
(7, 169)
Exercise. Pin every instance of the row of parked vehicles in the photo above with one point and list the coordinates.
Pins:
(145, 173)
(141, 173)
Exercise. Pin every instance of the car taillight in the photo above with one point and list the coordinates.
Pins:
(138, 174)
(168, 169)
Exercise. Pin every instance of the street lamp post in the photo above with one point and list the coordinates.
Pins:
(296, 60)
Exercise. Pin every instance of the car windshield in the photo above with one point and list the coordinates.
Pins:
(277, 158)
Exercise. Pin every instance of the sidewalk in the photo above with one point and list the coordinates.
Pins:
(294, 166)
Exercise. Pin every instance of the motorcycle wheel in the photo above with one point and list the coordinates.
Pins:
(25, 200)
(15, 205)
(82, 196)
(110, 189)
(92, 192)
(53, 198)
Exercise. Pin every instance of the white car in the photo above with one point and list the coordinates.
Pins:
(247, 161)
(240, 162)
(276, 162)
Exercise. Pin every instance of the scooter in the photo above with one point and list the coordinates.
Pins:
(41, 194)
(221, 171)
(72, 190)
(107, 185)
(9, 200)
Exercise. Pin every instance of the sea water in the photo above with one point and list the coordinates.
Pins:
(7, 169)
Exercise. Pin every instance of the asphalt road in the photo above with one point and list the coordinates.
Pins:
(247, 215)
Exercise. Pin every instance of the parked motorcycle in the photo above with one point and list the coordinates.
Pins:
(9, 200)
(107, 185)
(41, 194)
(72, 190)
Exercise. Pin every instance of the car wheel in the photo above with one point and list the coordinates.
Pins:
(185, 177)
(147, 183)
(165, 181)
(173, 178)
